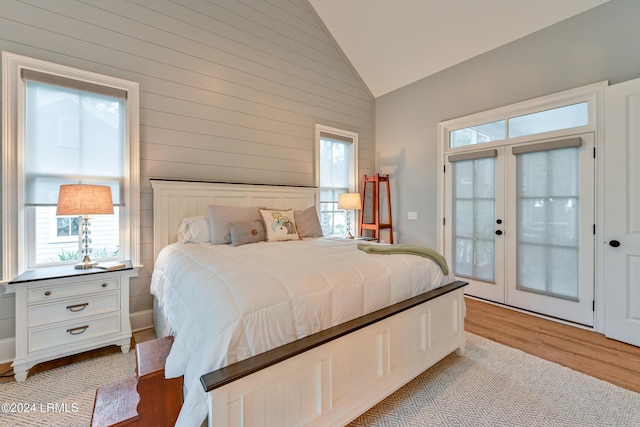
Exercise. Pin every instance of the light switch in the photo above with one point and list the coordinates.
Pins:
(412, 215)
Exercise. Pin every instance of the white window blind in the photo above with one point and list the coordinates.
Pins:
(72, 137)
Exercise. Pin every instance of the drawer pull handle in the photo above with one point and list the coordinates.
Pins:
(104, 285)
(47, 293)
(78, 330)
(77, 307)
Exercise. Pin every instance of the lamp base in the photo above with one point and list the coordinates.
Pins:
(85, 264)
(349, 235)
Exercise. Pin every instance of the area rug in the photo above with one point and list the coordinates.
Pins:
(490, 385)
(495, 385)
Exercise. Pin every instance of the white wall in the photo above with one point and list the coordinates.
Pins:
(600, 44)
(229, 90)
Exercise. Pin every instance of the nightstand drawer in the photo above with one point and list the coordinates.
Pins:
(76, 309)
(50, 293)
(71, 333)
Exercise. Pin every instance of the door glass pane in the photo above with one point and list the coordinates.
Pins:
(532, 274)
(464, 218)
(563, 171)
(474, 216)
(548, 221)
(464, 257)
(563, 264)
(483, 218)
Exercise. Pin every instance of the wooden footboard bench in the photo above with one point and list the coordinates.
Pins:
(331, 377)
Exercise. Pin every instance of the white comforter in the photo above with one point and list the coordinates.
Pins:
(226, 303)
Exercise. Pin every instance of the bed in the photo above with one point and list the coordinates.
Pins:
(308, 331)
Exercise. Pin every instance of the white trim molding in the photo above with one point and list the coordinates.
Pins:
(13, 217)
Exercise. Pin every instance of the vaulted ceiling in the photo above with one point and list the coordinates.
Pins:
(392, 43)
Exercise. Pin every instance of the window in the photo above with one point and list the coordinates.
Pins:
(66, 227)
(567, 117)
(336, 173)
(478, 134)
(62, 228)
(67, 126)
(73, 136)
(539, 121)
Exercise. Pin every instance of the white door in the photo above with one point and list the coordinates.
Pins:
(622, 212)
(522, 225)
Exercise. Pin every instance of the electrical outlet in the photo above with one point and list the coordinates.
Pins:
(412, 215)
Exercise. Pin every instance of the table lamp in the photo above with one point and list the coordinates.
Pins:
(349, 201)
(85, 200)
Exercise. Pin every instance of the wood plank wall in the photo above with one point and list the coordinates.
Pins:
(230, 90)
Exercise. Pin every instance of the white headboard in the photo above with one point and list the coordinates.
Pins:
(174, 200)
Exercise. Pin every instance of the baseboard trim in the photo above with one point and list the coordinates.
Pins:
(7, 350)
(141, 320)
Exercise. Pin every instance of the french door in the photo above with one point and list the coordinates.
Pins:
(521, 230)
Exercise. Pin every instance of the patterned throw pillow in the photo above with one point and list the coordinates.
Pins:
(279, 225)
(244, 233)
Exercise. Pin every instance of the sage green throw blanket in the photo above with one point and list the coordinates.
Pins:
(406, 249)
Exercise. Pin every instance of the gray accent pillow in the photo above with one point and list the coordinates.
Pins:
(221, 216)
(241, 234)
(308, 222)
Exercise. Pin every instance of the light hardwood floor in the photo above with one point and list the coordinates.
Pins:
(578, 349)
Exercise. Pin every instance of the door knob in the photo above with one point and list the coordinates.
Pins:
(499, 232)
(614, 243)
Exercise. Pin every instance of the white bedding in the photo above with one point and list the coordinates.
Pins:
(226, 303)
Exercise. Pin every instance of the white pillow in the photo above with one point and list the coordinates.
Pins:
(194, 229)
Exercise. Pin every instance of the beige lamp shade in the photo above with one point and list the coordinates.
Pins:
(349, 201)
(82, 199)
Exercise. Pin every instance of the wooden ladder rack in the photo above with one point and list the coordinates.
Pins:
(376, 225)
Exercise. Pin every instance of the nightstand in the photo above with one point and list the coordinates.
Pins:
(62, 311)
